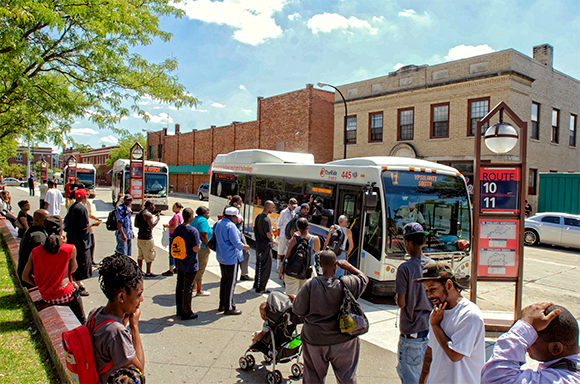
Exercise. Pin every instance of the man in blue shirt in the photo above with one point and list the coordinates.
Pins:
(229, 254)
(184, 246)
(124, 232)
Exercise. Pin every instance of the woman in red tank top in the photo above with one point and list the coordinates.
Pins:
(52, 265)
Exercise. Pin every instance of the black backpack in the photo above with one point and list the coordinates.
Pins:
(291, 227)
(112, 221)
(297, 264)
(336, 240)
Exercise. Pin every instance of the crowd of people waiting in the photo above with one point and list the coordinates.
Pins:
(441, 332)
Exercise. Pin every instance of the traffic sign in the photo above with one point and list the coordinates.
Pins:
(499, 190)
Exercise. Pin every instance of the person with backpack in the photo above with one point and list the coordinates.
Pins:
(296, 266)
(337, 239)
(124, 233)
(115, 327)
(185, 245)
(286, 215)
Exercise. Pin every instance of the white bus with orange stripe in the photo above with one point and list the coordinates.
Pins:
(405, 189)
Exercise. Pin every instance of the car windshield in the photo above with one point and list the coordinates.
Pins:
(87, 178)
(438, 202)
(156, 184)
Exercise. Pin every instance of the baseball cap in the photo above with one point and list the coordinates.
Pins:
(232, 211)
(80, 193)
(412, 228)
(436, 270)
(128, 197)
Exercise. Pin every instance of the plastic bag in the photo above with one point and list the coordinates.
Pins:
(165, 238)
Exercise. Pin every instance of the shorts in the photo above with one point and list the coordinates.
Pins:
(146, 250)
(282, 244)
(202, 259)
(293, 284)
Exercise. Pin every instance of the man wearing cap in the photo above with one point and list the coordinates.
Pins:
(77, 227)
(229, 247)
(124, 232)
(456, 351)
(263, 233)
(415, 306)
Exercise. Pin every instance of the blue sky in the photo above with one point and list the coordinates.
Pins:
(232, 51)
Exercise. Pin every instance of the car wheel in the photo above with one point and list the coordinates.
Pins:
(201, 196)
(531, 237)
(22, 185)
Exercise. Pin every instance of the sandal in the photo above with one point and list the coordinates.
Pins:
(203, 293)
(83, 291)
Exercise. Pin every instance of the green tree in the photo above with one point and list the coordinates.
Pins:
(62, 60)
(12, 170)
(125, 144)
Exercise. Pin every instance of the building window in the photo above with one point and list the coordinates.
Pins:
(159, 151)
(573, 130)
(532, 181)
(440, 120)
(351, 130)
(376, 127)
(535, 131)
(555, 126)
(19, 157)
(405, 124)
(150, 152)
(477, 109)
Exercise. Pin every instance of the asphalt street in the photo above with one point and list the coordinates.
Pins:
(206, 350)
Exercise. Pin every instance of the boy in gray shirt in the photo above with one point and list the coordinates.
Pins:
(415, 306)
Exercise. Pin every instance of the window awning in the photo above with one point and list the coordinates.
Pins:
(199, 169)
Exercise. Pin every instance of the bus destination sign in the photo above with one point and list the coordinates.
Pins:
(499, 190)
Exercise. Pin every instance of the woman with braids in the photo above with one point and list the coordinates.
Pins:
(121, 281)
(52, 265)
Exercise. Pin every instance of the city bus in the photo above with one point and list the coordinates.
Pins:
(379, 195)
(86, 174)
(155, 188)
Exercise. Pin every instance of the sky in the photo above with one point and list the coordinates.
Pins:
(232, 51)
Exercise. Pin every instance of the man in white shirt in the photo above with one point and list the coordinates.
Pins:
(456, 351)
(286, 215)
(53, 199)
(43, 188)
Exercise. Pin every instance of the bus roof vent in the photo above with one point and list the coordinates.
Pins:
(261, 156)
(392, 161)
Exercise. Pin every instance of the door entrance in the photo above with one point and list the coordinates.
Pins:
(349, 203)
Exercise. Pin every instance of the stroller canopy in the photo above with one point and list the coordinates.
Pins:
(277, 305)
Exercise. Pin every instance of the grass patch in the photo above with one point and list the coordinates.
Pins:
(23, 354)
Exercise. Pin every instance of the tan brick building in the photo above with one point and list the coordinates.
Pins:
(430, 112)
(298, 121)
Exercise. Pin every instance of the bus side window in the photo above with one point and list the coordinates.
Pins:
(374, 230)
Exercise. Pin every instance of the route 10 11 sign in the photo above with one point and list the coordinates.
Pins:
(499, 190)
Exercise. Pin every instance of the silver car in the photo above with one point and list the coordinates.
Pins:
(11, 181)
(553, 228)
(203, 191)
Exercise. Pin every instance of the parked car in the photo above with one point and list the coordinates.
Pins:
(203, 191)
(11, 181)
(553, 228)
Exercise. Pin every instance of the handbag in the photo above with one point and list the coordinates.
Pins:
(351, 318)
(211, 244)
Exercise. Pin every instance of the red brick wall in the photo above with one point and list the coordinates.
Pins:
(223, 140)
(322, 126)
(186, 148)
(203, 142)
(246, 136)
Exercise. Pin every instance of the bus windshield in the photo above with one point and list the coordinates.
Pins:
(438, 202)
(156, 184)
(87, 178)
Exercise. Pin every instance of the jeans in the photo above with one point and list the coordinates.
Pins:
(171, 261)
(123, 247)
(340, 271)
(411, 353)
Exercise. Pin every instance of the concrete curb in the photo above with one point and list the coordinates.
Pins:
(51, 321)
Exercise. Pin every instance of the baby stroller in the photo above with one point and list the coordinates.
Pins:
(282, 344)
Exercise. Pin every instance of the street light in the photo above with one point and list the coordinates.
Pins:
(322, 85)
(500, 137)
(158, 145)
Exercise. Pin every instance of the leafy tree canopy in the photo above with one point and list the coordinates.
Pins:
(125, 144)
(62, 60)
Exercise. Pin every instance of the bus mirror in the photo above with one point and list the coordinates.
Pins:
(370, 201)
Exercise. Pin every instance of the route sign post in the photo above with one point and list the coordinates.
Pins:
(137, 173)
(497, 247)
(44, 171)
(71, 169)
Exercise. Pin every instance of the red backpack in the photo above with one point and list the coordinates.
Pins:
(79, 355)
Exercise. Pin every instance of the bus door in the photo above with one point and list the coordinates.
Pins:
(349, 203)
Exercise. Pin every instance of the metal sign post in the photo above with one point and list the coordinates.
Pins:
(137, 173)
(71, 169)
(44, 171)
(498, 215)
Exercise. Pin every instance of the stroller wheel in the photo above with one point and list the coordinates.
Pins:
(251, 361)
(297, 371)
(278, 376)
(271, 378)
(243, 363)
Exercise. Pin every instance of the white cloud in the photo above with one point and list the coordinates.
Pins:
(294, 16)
(411, 14)
(465, 51)
(217, 105)
(201, 110)
(242, 87)
(162, 118)
(83, 132)
(110, 140)
(327, 22)
(252, 20)
(172, 108)
(378, 19)
(397, 66)
(246, 110)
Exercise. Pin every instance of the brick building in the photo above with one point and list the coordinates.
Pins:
(430, 112)
(94, 156)
(37, 154)
(299, 121)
